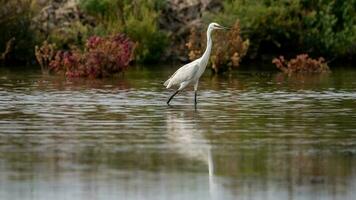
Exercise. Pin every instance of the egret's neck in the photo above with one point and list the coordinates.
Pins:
(209, 44)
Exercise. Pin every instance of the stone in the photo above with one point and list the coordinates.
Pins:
(179, 16)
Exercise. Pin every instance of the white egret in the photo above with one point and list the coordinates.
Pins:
(191, 72)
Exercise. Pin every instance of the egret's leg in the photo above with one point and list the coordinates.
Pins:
(170, 98)
(195, 92)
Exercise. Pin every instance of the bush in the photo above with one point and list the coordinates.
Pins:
(330, 27)
(301, 64)
(103, 56)
(137, 19)
(45, 54)
(318, 27)
(228, 50)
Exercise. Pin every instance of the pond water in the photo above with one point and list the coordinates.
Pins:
(254, 135)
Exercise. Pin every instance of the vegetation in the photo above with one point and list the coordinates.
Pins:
(301, 64)
(16, 34)
(269, 27)
(102, 56)
(324, 27)
(45, 54)
(137, 19)
(227, 52)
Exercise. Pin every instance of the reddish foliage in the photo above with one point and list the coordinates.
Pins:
(44, 54)
(103, 56)
(301, 64)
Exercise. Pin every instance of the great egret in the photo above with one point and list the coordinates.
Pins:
(191, 72)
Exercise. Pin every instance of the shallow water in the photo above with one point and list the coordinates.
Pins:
(254, 135)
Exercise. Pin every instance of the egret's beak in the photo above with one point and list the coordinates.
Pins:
(222, 27)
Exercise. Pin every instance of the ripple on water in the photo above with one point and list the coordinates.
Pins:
(254, 131)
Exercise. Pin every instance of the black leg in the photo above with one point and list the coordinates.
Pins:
(195, 97)
(170, 98)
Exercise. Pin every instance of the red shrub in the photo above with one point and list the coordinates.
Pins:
(301, 64)
(102, 56)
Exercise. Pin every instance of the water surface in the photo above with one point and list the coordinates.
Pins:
(254, 135)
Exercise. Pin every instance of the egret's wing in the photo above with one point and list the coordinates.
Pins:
(185, 73)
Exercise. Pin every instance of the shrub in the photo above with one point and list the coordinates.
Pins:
(141, 26)
(45, 54)
(329, 27)
(228, 50)
(301, 64)
(102, 56)
(318, 27)
(137, 19)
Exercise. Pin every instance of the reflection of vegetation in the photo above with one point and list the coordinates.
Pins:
(322, 26)
(301, 64)
(228, 50)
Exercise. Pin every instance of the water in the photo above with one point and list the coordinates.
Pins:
(254, 135)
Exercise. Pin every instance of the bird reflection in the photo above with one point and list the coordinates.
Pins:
(189, 141)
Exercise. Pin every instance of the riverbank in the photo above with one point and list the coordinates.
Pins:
(162, 29)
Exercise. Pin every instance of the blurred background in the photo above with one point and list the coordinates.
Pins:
(83, 111)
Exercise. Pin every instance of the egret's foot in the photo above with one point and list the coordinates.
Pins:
(170, 98)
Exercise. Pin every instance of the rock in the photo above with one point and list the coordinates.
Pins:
(59, 15)
(179, 16)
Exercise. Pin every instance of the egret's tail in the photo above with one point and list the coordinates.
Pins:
(167, 83)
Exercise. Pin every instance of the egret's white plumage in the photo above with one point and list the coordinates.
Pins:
(183, 75)
(191, 72)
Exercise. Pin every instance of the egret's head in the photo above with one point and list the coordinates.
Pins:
(213, 26)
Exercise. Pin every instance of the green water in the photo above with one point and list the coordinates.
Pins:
(254, 135)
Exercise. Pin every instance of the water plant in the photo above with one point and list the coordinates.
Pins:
(301, 64)
(227, 52)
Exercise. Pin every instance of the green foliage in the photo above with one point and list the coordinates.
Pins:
(74, 34)
(141, 25)
(97, 7)
(138, 19)
(319, 26)
(330, 26)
